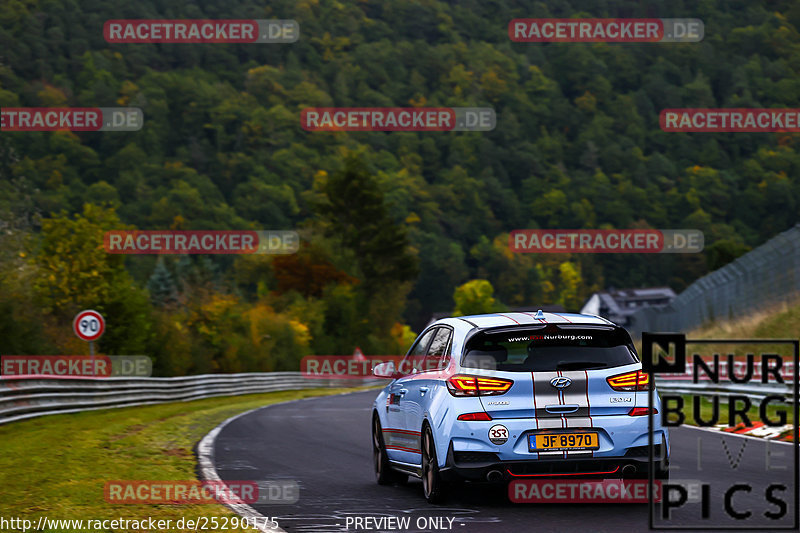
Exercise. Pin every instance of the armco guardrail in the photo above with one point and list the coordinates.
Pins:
(22, 398)
(754, 388)
(754, 391)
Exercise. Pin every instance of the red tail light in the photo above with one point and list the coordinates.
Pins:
(475, 417)
(642, 411)
(462, 385)
(629, 382)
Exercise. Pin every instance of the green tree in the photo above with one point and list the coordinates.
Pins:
(74, 272)
(353, 212)
(723, 252)
(161, 285)
(475, 297)
(570, 284)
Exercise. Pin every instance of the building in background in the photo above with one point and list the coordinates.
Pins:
(618, 305)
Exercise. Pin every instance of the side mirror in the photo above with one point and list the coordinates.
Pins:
(384, 370)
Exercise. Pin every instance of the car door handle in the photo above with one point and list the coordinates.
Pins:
(423, 390)
(402, 392)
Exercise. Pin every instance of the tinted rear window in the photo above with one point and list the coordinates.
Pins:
(550, 349)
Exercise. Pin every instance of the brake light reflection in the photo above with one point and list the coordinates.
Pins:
(475, 417)
(642, 411)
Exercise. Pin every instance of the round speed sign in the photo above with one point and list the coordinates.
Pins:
(88, 325)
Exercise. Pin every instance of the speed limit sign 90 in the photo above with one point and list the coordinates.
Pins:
(89, 325)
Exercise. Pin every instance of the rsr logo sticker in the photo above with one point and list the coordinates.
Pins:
(498, 434)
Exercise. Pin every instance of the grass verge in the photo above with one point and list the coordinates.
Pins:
(774, 411)
(706, 413)
(781, 321)
(56, 466)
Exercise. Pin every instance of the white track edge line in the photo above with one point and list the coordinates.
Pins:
(205, 460)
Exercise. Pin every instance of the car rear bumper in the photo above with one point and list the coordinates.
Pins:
(618, 436)
(486, 466)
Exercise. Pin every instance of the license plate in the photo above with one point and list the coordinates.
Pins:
(563, 441)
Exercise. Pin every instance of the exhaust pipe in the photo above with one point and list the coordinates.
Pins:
(628, 471)
(494, 476)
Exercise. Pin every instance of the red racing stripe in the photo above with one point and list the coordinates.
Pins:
(508, 317)
(402, 449)
(404, 431)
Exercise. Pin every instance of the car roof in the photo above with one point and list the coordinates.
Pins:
(512, 319)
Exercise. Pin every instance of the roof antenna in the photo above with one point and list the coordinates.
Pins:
(539, 315)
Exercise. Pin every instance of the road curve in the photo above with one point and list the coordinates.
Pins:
(324, 445)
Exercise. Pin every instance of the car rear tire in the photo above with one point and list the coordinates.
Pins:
(662, 465)
(661, 473)
(432, 484)
(384, 474)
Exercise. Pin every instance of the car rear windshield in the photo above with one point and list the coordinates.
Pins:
(549, 349)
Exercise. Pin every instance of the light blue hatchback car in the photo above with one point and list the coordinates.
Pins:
(516, 395)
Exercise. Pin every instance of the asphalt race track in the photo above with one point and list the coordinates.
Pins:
(324, 445)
